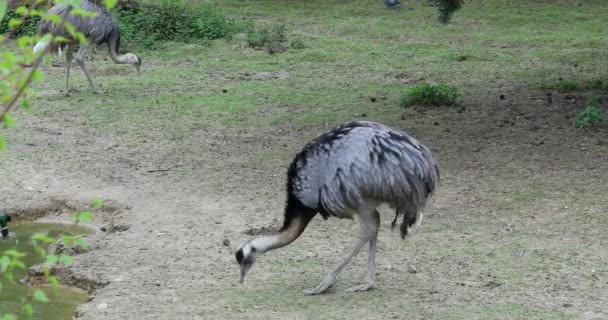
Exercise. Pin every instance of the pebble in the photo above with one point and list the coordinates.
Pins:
(102, 306)
(226, 242)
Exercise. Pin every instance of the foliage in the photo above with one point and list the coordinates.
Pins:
(297, 43)
(271, 38)
(446, 8)
(15, 80)
(598, 85)
(567, 85)
(429, 95)
(146, 25)
(29, 27)
(592, 115)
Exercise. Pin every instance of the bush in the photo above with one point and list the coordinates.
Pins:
(297, 43)
(592, 115)
(28, 28)
(268, 37)
(146, 25)
(429, 95)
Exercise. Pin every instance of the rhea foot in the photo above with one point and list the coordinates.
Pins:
(327, 282)
(362, 287)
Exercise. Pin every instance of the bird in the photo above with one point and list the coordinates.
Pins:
(392, 3)
(345, 172)
(98, 29)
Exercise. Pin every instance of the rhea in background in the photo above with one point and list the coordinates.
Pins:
(99, 29)
(346, 172)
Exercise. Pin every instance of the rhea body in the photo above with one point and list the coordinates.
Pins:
(98, 29)
(392, 3)
(346, 172)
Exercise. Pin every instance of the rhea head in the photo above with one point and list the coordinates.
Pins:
(132, 59)
(246, 256)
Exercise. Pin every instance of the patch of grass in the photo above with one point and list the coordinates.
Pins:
(598, 84)
(429, 95)
(273, 38)
(591, 116)
(147, 25)
(567, 85)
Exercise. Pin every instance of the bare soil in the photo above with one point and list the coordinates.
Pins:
(517, 229)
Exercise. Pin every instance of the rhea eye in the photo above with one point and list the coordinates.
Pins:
(239, 256)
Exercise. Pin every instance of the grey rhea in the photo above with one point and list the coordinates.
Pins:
(98, 29)
(346, 172)
(392, 3)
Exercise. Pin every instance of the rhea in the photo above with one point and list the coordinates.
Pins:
(346, 172)
(98, 29)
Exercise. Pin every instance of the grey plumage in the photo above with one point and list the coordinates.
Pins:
(347, 171)
(392, 3)
(98, 29)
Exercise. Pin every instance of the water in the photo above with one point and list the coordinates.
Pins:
(63, 301)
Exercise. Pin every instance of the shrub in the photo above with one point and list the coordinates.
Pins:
(567, 85)
(267, 37)
(429, 95)
(592, 115)
(297, 43)
(29, 27)
(146, 25)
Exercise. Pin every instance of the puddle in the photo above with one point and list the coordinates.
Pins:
(62, 302)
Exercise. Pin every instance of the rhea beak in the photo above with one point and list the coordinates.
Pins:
(244, 269)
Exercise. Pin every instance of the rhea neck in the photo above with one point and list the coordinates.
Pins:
(288, 233)
(113, 45)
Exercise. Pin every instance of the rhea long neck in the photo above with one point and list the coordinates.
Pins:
(113, 44)
(287, 235)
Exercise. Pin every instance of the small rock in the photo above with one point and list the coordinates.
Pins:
(103, 229)
(412, 269)
(102, 306)
(226, 242)
(372, 99)
(435, 123)
(502, 97)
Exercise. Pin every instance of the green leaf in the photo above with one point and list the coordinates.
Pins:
(9, 317)
(27, 309)
(81, 242)
(97, 203)
(2, 142)
(40, 251)
(39, 295)
(8, 121)
(14, 253)
(110, 4)
(51, 259)
(25, 105)
(66, 259)
(3, 6)
(4, 263)
(54, 282)
(14, 22)
(21, 10)
(85, 216)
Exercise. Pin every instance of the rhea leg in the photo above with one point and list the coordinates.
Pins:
(80, 59)
(365, 219)
(68, 64)
(373, 226)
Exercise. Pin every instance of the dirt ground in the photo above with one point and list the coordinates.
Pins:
(517, 229)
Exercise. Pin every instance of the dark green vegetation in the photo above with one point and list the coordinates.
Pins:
(147, 25)
(63, 301)
(516, 231)
(592, 115)
(428, 94)
(28, 27)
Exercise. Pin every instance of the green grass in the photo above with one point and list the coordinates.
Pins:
(591, 116)
(428, 94)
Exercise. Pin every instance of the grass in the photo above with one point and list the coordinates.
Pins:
(429, 95)
(591, 116)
